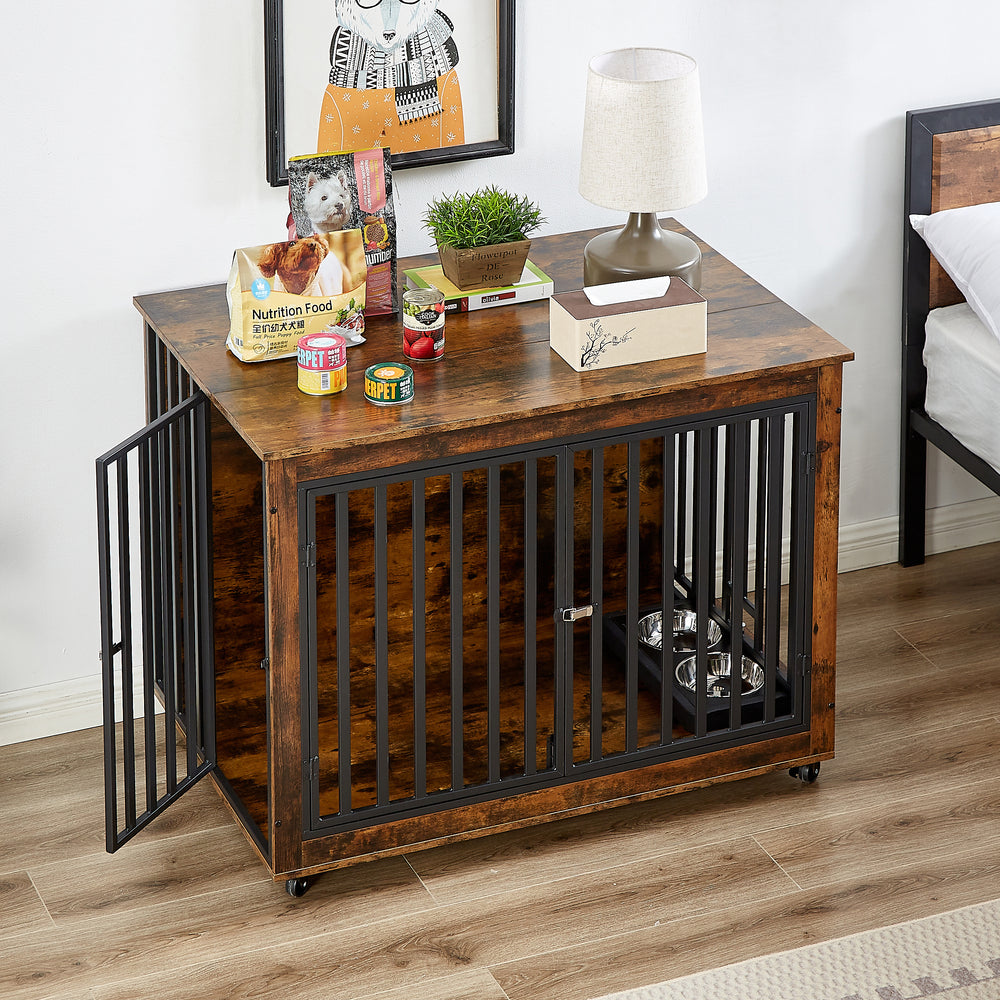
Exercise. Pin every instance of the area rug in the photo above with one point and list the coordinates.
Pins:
(953, 955)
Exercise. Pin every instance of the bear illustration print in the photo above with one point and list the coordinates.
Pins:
(393, 80)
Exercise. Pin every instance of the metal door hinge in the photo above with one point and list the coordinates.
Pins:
(311, 768)
(805, 664)
(574, 614)
(808, 463)
(265, 663)
(309, 555)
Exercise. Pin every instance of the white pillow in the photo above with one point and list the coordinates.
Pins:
(966, 243)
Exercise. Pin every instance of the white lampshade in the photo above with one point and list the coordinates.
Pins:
(643, 142)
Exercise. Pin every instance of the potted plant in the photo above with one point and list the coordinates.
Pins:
(482, 237)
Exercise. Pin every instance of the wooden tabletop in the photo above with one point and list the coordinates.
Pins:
(497, 368)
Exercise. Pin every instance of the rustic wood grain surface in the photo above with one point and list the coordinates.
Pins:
(497, 365)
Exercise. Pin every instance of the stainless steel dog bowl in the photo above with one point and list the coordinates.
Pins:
(719, 672)
(685, 631)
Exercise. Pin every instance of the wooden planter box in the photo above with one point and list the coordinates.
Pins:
(485, 267)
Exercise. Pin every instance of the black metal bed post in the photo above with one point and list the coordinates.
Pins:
(913, 375)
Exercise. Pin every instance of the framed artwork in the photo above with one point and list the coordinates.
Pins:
(433, 80)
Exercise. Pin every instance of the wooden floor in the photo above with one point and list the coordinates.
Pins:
(904, 823)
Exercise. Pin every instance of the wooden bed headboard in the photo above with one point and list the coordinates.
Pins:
(952, 160)
(965, 170)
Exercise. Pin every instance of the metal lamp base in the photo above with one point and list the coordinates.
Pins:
(641, 250)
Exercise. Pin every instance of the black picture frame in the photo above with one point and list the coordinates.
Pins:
(276, 153)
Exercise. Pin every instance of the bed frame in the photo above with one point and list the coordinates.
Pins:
(952, 159)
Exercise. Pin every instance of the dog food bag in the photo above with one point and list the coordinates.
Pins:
(281, 292)
(328, 192)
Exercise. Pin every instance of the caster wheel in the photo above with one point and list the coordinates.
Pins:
(296, 886)
(806, 773)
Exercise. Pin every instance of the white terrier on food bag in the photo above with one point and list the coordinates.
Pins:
(327, 202)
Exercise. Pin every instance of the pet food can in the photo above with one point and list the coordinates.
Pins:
(423, 324)
(388, 384)
(322, 364)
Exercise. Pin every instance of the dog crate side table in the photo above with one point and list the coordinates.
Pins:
(384, 628)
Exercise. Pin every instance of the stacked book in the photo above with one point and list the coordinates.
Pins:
(534, 284)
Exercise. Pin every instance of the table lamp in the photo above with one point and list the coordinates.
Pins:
(643, 153)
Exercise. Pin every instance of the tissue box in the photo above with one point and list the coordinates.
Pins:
(589, 336)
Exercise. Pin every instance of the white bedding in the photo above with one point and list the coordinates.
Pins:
(962, 359)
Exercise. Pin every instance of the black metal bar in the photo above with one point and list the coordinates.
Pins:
(801, 450)
(772, 584)
(341, 515)
(632, 600)
(105, 573)
(728, 602)
(168, 379)
(456, 610)
(154, 375)
(125, 621)
(804, 562)
(381, 646)
(680, 548)
(202, 472)
(171, 613)
(309, 641)
(760, 595)
(800, 557)
(189, 571)
(597, 598)
(150, 355)
(737, 524)
(564, 587)
(150, 574)
(713, 506)
(704, 571)
(493, 621)
(418, 512)
(530, 615)
(667, 590)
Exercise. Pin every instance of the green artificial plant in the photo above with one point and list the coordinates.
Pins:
(483, 218)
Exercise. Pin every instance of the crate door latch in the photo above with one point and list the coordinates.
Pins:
(574, 614)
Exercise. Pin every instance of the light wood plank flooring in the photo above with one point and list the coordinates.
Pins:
(905, 822)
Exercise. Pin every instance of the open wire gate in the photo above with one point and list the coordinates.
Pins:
(153, 495)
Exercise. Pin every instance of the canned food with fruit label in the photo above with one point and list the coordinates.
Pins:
(423, 324)
(388, 384)
(322, 360)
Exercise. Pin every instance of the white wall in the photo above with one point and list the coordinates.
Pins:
(133, 161)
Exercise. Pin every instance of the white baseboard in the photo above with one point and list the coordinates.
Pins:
(69, 706)
(50, 709)
(958, 526)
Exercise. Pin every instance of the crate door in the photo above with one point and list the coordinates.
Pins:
(430, 637)
(156, 617)
(704, 525)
